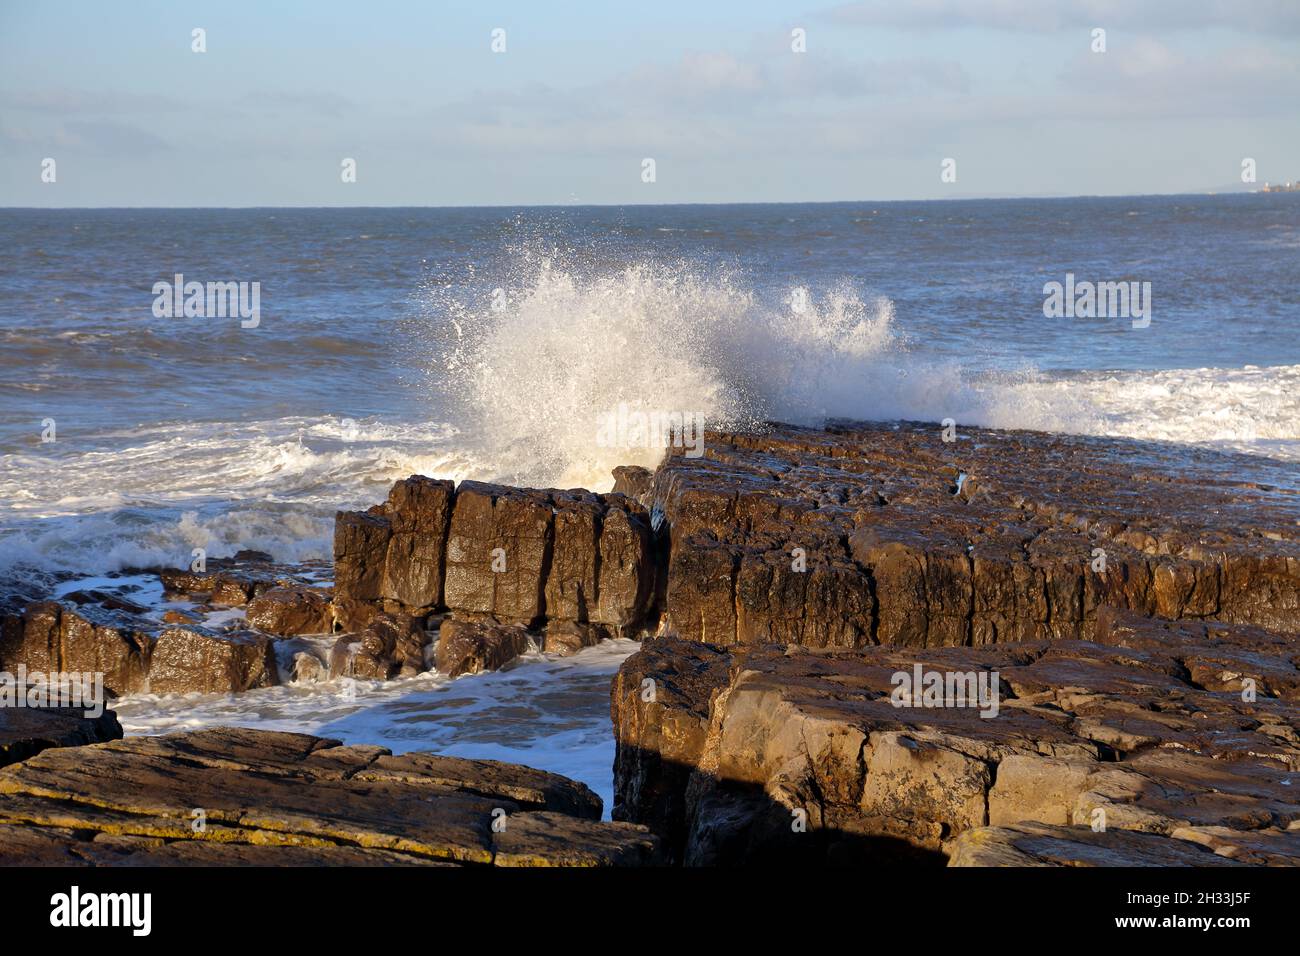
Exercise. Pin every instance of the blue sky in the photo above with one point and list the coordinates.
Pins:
(712, 92)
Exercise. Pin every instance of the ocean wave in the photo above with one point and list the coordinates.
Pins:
(534, 371)
(148, 496)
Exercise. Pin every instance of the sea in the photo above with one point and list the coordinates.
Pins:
(491, 343)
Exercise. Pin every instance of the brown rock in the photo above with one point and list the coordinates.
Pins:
(360, 552)
(419, 513)
(353, 615)
(26, 731)
(569, 637)
(498, 551)
(515, 554)
(287, 611)
(225, 583)
(1037, 844)
(528, 788)
(231, 590)
(1008, 556)
(187, 660)
(556, 839)
(718, 750)
(390, 645)
(308, 668)
(52, 638)
(632, 480)
(570, 583)
(627, 560)
(469, 647)
(271, 798)
(660, 707)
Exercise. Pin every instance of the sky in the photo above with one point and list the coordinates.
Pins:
(584, 92)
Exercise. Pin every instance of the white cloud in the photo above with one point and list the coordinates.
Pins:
(1043, 16)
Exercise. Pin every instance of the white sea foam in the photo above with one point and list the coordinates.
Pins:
(1253, 410)
(532, 379)
(150, 496)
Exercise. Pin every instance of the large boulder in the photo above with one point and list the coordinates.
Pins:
(188, 660)
(470, 647)
(287, 611)
(391, 645)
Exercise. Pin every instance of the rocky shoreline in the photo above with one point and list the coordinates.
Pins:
(1131, 611)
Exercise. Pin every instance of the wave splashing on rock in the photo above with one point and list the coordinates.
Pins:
(534, 363)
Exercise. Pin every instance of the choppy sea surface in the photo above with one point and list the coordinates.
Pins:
(488, 343)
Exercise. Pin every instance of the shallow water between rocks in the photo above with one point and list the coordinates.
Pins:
(544, 712)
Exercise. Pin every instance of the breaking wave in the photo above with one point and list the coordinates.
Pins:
(535, 364)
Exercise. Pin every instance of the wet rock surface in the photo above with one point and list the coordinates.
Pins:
(391, 645)
(471, 647)
(134, 653)
(287, 611)
(231, 796)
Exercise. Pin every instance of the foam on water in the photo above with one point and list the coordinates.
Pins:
(1253, 410)
(149, 496)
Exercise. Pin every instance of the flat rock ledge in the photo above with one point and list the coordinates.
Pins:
(1148, 729)
(26, 731)
(863, 534)
(233, 796)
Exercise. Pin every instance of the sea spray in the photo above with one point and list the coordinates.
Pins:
(535, 360)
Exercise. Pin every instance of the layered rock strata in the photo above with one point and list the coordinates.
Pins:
(1135, 606)
(230, 796)
(849, 536)
(863, 534)
(1188, 731)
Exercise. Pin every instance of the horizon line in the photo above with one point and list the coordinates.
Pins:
(615, 205)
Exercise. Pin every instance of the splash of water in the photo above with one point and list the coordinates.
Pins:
(534, 366)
